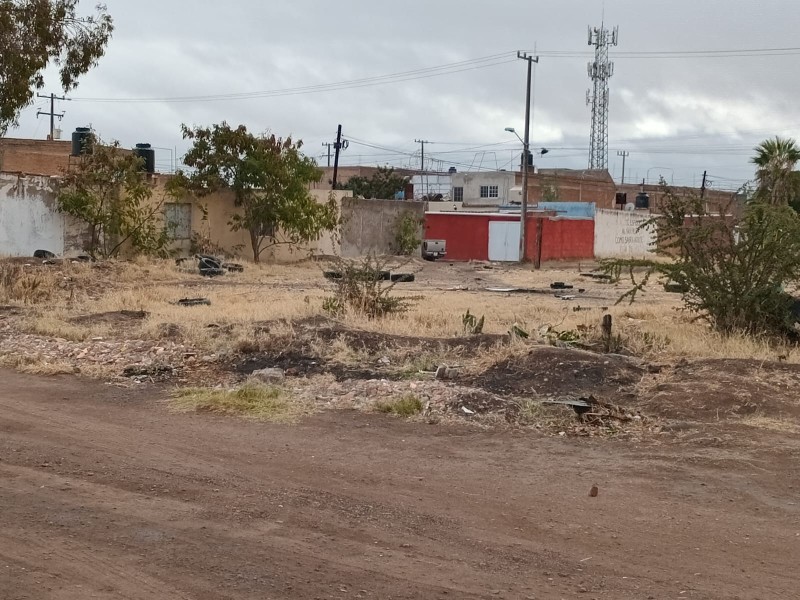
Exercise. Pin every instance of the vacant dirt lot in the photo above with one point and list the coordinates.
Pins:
(107, 494)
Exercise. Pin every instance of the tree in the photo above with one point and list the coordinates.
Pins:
(775, 160)
(35, 33)
(382, 185)
(108, 191)
(269, 178)
(732, 271)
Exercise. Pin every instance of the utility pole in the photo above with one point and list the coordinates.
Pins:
(526, 153)
(422, 160)
(703, 186)
(329, 146)
(340, 145)
(600, 71)
(624, 154)
(52, 112)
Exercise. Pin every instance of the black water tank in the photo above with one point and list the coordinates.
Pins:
(642, 200)
(81, 141)
(452, 170)
(146, 152)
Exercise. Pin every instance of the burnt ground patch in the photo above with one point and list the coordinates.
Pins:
(552, 371)
(117, 317)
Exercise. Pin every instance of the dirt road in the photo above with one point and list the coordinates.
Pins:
(105, 494)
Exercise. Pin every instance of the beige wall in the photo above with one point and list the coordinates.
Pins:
(369, 226)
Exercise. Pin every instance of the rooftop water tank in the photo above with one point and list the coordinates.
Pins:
(81, 141)
(642, 200)
(148, 156)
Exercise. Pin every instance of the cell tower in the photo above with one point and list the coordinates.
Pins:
(600, 71)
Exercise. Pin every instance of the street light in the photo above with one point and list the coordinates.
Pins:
(523, 229)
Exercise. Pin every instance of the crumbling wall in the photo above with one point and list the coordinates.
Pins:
(370, 226)
(29, 219)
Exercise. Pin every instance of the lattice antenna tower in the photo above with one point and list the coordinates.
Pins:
(600, 71)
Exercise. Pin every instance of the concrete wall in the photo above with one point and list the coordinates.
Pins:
(28, 217)
(370, 226)
(618, 234)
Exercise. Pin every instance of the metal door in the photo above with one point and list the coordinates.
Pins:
(504, 241)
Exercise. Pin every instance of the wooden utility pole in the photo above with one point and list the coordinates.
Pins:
(624, 154)
(338, 147)
(703, 187)
(329, 146)
(422, 154)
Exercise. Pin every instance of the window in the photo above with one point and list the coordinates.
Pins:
(179, 220)
(458, 194)
(490, 191)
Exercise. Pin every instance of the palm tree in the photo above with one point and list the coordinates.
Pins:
(775, 160)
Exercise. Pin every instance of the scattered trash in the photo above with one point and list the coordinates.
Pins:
(46, 254)
(194, 302)
(565, 296)
(402, 277)
(332, 274)
(675, 288)
(147, 370)
(233, 267)
(209, 266)
(384, 360)
(269, 375)
(444, 373)
(560, 285)
(601, 276)
(467, 411)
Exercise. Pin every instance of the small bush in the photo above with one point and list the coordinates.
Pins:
(19, 285)
(407, 406)
(472, 324)
(362, 289)
(407, 238)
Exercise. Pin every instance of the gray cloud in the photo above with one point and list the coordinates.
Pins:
(678, 116)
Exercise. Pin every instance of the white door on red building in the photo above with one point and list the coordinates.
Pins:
(504, 241)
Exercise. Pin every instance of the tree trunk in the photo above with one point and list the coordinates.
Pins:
(255, 243)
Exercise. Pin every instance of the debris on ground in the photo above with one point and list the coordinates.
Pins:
(194, 302)
(44, 254)
(269, 375)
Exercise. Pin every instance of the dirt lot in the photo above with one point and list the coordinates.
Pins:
(107, 494)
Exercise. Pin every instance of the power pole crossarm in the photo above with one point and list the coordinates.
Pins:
(624, 154)
(52, 114)
(422, 154)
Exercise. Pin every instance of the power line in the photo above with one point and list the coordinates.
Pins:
(423, 73)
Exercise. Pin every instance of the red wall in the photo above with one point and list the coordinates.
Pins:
(467, 236)
(562, 239)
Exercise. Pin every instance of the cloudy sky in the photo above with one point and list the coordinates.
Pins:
(697, 83)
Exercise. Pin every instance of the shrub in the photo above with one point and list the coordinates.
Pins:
(361, 288)
(407, 406)
(733, 271)
(407, 238)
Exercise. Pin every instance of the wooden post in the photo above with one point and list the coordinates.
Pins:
(607, 324)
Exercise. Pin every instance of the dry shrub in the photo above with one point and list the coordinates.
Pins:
(407, 406)
(261, 402)
(361, 288)
(19, 285)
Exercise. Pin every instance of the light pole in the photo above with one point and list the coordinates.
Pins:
(523, 222)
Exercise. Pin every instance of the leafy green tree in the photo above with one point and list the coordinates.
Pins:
(36, 33)
(269, 178)
(108, 190)
(732, 271)
(775, 160)
(381, 185)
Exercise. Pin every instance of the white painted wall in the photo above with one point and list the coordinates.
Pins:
(617, 234)
(28, 219)
(472, 182)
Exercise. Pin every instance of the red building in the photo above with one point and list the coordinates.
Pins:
(495, 236)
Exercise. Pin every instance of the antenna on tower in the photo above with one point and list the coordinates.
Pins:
(600, 71)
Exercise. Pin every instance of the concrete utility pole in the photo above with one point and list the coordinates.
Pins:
(52, 112)
(703, 187)
(526, 153)
(338, 147)
(422, 160)
(624, 154)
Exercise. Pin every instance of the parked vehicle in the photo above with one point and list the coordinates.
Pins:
(433, 249)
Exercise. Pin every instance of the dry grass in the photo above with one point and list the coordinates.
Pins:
(653, 328)
(36, 365)
(407, 406)
(760, 421)
(263, 403)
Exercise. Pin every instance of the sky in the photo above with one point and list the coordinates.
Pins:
(697, 84)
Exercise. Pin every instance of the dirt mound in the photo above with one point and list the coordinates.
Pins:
(551, 371)
(723, 388)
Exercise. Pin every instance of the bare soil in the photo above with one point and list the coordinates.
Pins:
(107, 494)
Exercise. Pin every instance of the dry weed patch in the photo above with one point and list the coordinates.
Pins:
(263, 403)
